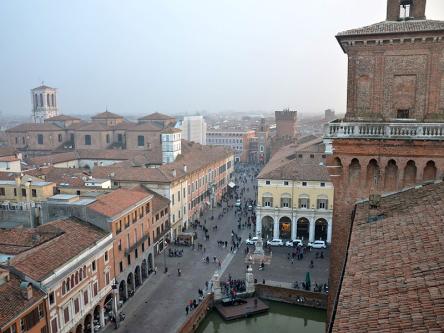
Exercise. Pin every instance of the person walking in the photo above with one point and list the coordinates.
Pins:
(187, 309)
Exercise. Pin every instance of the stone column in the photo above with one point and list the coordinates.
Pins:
(311, 232)
(249, 280)
(276, 226)
(329, 231)
(294, 227)
(102, 317)
(258, 224)
(92, 322)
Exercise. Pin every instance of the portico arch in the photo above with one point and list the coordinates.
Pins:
(137, 275)
(79, 328)
(429, 171)
(87, 324)
(285, 227)
(144, 269)
(150, 263)
(122, 291)
(267, 227)
(303, 228)
(321, 227)
(129, 283)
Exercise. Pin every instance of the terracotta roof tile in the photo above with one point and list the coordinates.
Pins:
(32, 127)
(13, 303)
(106, 115)
(61, 117)
(41, 261)
(390, 27)
(118, 201)
(157, 116)
(394, 275)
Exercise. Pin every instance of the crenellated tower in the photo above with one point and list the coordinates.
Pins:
(392, 136)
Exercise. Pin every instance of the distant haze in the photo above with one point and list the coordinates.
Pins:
(178, 56)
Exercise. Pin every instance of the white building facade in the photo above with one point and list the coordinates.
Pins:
(194, 128)
(44, 103)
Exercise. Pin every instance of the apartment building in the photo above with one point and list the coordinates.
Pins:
(71, 261)
(238, 141)
(295, 195)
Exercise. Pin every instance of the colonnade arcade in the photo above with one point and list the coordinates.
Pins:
(304, 227)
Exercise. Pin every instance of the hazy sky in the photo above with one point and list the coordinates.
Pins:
(176, 56)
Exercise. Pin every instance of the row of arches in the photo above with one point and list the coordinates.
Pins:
(97, 318)
(135, 279)
(388, 177)
(303, 230)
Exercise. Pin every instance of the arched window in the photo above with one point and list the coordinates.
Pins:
(322, 202)
(52, 99)
(84, 271)
(40, 139)
(60, 137)
(41, 100)
(48, 103)
(63, 287)
(304, 201)
(80, 274)
(286, 200)
(36, 101)
(67, 284)
(72, 281)
(77, 277)
(87, 139)
(267, 200)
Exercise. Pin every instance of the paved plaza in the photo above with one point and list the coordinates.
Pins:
(159, 304)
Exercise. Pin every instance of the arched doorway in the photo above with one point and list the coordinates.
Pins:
(303, 228)
(137, 276)
(87, 324)
(267, 227)
(430, 171)
(150, 263)
(79, 328)
(144, 269)
(97, 310)
(321, 227)
(285, 228)
(130, 285)
(122, 290)
(108, 306)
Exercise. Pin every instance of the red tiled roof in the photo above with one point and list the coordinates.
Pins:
(118, 201)
(394, 274)
(159, 202)
(94, 126)
(61, 117)
(157, 116)
(106, 115)
(13, 303)
(7, 151)
(15, 241)
(32, 127)
(76, 237)
(145, 127)
(194, 156)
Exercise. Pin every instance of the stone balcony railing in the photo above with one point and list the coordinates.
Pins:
(398, 131)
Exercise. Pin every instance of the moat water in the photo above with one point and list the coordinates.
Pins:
(281, 318)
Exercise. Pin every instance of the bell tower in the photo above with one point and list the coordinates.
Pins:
(44, 103)
(392, 136)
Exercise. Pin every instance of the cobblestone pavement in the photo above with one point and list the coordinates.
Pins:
(159, 304)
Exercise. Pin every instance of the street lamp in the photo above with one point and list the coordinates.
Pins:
(164, 258)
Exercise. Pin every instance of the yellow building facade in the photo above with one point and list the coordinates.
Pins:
(295, 196)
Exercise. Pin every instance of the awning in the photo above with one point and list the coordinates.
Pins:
(231, 184)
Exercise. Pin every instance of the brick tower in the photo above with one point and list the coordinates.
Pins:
(392, 136)
(286, 122)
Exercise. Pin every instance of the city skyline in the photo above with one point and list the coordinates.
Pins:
(176, 58)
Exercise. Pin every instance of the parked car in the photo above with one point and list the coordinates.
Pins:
(238, 203)
(293, 243)
(251, 241)
(319, 244)
(275, 242)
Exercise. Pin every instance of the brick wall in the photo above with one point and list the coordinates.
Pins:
(197, 315)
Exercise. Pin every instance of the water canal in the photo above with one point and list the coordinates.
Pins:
(281, 318)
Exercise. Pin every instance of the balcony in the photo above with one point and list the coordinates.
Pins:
(396, 131)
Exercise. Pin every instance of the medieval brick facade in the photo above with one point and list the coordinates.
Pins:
(392, 136)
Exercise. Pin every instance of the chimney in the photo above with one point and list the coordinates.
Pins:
(174, 172)
(26, 290)
(185, 168)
